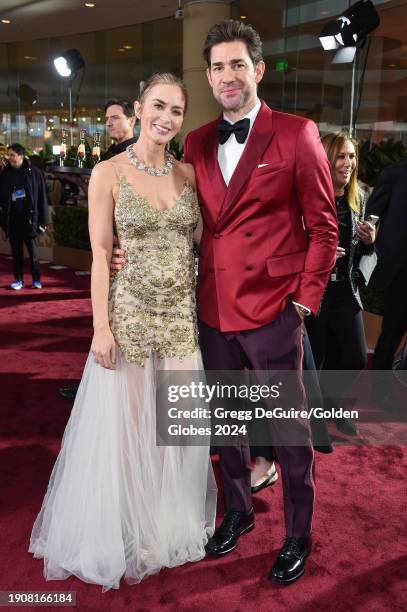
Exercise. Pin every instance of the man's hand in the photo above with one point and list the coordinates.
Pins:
(118, 257)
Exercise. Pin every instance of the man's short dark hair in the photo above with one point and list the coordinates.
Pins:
(17, 148)
(230, 30)
(126, 105)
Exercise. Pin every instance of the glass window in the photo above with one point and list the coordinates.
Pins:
(301, 79)
(34, 100)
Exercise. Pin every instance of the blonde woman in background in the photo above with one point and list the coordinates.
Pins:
(337, 334)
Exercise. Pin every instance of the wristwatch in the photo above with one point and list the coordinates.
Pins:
(303, 309)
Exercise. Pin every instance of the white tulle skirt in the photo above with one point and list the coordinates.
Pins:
(117, 505)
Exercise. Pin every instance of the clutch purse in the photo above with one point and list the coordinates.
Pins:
(366, 266)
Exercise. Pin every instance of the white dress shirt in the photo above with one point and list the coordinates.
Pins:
(230, 153)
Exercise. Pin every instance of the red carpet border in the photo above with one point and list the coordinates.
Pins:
(359, 559)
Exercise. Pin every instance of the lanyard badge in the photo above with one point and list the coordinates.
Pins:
(18, 194)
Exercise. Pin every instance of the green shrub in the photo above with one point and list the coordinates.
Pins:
(71, 227)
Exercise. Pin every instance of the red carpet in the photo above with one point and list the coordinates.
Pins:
(359, 558)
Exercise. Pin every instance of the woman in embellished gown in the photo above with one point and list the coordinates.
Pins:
(118, 505)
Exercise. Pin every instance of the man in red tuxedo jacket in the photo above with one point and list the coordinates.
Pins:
(268, 245)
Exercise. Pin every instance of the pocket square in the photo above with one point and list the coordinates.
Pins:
(262, 165)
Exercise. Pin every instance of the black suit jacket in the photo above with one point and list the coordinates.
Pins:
(37, 208)
(389, 202)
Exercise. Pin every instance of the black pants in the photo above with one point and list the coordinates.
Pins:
(337, 338)
(17, 242)
(394, 321)
(337, 334)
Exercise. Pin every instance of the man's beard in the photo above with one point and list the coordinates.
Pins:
(237, 104)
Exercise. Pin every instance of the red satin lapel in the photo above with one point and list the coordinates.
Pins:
(214, 172)
(214, 180)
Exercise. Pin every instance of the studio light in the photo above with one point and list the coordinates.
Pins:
(27, 95)
(69, 63)
(344, 55)
(347, 34)
(349, 31)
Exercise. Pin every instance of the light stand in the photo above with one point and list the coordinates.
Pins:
(347, 34)
(70, 114)
(68, 65)
(352, 97)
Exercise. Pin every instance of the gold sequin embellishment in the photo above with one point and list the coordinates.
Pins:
(152, 304)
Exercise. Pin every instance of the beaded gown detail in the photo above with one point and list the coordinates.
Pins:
(152, 300)
(118, 505)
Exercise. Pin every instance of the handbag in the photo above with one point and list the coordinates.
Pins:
(366, 266)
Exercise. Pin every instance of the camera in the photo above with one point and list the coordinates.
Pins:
(179, 14)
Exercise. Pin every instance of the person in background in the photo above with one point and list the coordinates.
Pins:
(120, 120)
(388, 202)
(23, 212)
(337, 334)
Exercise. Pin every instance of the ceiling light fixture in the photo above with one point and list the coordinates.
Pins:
(6, 21)
(90, 4)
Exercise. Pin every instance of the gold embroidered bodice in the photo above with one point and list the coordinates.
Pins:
(152, 304)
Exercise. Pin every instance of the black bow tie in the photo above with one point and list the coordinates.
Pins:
(240, 129)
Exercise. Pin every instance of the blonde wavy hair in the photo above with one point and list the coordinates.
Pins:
(333, 144)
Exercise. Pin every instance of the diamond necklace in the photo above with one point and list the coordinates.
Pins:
(166, 169)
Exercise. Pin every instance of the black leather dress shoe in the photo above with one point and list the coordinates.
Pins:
(290, 564)
(224, 540)
(68, 392)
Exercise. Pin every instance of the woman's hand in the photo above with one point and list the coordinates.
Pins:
(366, 232)
(104, 348)
(340, 252)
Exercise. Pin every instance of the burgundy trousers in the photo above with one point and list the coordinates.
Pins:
(276, 346)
